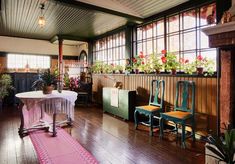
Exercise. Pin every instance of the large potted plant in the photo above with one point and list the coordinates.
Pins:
(5, 87)
(46, 82)
(221, 149)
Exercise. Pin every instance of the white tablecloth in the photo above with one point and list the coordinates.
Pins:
(36, 103)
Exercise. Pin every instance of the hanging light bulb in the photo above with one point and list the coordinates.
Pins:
(41, 20)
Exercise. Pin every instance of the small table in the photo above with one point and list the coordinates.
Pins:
(37, 104)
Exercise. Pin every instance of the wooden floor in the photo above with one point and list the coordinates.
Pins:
(109, 139)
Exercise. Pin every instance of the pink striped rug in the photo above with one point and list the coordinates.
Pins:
(62, 149)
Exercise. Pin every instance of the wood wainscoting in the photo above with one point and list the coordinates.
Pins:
(206, 90)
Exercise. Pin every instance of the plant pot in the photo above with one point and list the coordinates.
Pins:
(120, 71)
(200, 70)
(114, 72)
(173, 71)
(47, 89)
(157, 71)
(136, 71)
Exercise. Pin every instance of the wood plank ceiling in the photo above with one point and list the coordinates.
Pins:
(19, 18)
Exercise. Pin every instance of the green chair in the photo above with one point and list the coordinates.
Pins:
(182, 114)
(155, 106)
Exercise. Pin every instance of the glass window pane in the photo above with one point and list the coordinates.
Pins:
(173, 24)
(189, 19)
(149, 29)
(160, 27)
(189, 40)
(173, 44)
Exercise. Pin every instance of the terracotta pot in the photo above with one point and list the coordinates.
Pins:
(173, 71)
(136, 71)
(157, 71)
(47, 89)
(200, 70)
(120, 71)
(114, 72)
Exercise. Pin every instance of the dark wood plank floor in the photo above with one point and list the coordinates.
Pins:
(109, 139)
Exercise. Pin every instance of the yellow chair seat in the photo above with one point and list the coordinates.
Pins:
(178, 114)
(150, 108)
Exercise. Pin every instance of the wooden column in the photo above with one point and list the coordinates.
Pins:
(60, 64)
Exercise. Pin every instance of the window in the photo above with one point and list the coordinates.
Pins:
(182, 34)
(22, 60)
(110, 50)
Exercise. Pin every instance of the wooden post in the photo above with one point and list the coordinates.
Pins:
(60, 66)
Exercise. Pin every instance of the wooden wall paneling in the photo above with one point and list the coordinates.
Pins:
(204, 95)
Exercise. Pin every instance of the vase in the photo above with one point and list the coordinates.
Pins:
(200, 70)
(47, 89)
(173, 71)
(136, 71)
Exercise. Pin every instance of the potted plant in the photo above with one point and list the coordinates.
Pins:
(170, 61)
(137, 61)
(202, 64)
(155, 63)
(119, 68)
(97, 67)
(5, 87)
(222, 149)
(46, 81)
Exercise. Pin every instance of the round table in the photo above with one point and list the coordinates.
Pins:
(37, 105)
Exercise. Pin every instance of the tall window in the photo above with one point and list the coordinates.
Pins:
(32, 61)
(110, 50)
(183, 34)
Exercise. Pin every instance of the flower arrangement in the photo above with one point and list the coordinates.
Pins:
(170, 61)
(187, 66)
(73, 83)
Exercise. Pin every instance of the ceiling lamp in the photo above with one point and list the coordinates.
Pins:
(42, 20)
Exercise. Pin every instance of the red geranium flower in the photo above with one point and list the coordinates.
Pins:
(141, 55)
(163, 58)
(199, 57)
(186, 61)
(142, 62)
(164, 52)
(134, 60)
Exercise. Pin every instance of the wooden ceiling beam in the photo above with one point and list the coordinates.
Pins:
(83, 5)
(68, 37)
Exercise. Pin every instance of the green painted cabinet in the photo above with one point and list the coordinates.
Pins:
(126, 103)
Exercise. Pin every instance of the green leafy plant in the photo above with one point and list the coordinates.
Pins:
(224, 149)
(108, 68)
(5, 85)
(205, 63)
(138, 61)
(97, 67)
(46, 78)
(119, 68)
(170, 61)
(155, 62)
